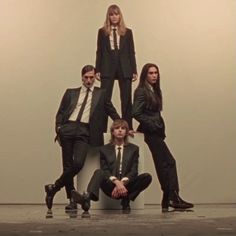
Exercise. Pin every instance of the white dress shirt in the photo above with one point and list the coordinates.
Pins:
(86, 113)
(124, 179)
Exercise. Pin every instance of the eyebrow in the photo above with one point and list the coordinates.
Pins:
(87, 76)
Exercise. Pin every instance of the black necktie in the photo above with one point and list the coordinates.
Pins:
(83, 105)
(115, 39)
(118, 159)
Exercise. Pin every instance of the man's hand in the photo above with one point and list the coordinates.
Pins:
(119, 190)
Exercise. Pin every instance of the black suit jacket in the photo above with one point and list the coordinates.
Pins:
(100, 107)
(104, 63)
(150, 120)
(129, 162)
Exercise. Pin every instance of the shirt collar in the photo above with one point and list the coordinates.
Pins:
(114, 27)
(150, 87)
(84, 89)
(121, 146)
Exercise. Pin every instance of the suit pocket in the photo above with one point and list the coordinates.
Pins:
(67, 129)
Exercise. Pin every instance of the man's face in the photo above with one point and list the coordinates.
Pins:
(152, 75)
(119, 132)
(88, 79)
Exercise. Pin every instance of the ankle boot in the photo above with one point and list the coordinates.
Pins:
(164, 202)
(71, 206)
(125, 204)
(50, 190)
(82, 199)
(177, 202)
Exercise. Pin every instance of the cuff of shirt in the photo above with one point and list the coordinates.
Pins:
(125, 179)
(112, 178)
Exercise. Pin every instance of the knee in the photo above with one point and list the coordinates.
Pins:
(78, 165)
(98, 172)
(147, 177)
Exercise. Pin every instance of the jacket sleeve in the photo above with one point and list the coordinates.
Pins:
(138, 111)
(110, 109)
(134, 165)
(132, 52)
(99, 50)
(62, 109)
(104, 165)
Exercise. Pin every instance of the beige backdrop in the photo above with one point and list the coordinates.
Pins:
(45, 43)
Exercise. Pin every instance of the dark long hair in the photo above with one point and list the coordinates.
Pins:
(153, 99)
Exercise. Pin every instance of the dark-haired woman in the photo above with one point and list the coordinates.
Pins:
(147, 106)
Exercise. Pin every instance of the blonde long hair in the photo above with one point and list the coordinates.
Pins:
(107, 24)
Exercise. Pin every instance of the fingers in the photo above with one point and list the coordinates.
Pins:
(135, 77)
(98, 76)
(123, 191)
(119, 192)
(115, 193)
(131, 133)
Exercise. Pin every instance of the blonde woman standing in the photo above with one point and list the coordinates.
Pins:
(115, 59)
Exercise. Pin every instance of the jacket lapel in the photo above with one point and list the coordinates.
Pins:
(122, 41)
(107, 42)
(125, 159)
(112, 158)
(74, 99)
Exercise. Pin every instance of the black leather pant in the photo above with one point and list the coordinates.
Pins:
(164, 162)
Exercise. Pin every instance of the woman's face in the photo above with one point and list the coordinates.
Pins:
(114, 18)
(152, 75)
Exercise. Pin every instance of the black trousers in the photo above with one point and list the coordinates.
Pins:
(164, 162)
(99, 180)
(74, 139)
(125, 85)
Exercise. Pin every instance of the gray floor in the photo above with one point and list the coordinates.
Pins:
(203, 220)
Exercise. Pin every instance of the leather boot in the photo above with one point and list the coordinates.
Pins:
(125, 205)
(50, 190)
(72, 206)
(177, 202)
(164, 202)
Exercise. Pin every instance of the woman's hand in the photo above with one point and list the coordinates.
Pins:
(135, 77)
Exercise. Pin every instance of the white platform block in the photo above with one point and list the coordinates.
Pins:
(92, 163)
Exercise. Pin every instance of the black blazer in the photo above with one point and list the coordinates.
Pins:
(129, 162)
(150, 120)
(100, 107)
(104, 62)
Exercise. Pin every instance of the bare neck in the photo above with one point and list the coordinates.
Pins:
(119, 142)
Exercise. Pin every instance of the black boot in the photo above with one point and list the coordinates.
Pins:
(72, 206)
(125, 205)
(177, 202)
(82, 199)
(50, 190)
(165, 202)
